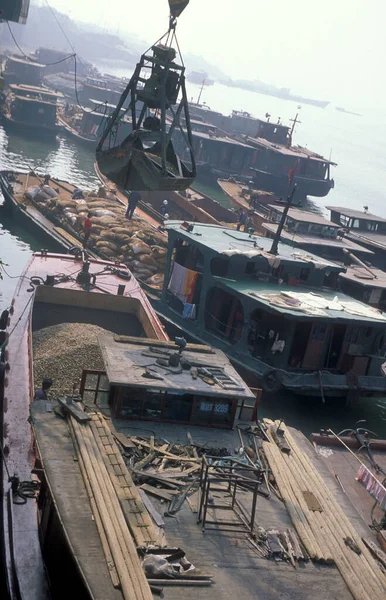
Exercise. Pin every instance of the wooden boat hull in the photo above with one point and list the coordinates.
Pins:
(35, 226)
(278, 185)
(35, 307)
(29, 129)
(73, 134)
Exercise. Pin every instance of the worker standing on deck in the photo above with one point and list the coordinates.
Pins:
(164, 208)
(242, 219)
(41, 393)
(87, 228)
(134, 198)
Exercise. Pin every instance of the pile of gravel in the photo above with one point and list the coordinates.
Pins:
(61, 352)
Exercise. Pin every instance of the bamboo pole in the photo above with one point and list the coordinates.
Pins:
(129, 549)
(94, 507)
(322, 523)
(133, 586)
(341, 523)
(298, 518)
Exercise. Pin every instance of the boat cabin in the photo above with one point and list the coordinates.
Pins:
(363, 228)
(39, 112)
(48, 56)
(93, 122)
(275, 161)
(21, 70)
(312, 232)
(222, 154)
(268, 311)
(242, 123)
(39, 93)
(98, 90)
(367, 284)
(149, 380)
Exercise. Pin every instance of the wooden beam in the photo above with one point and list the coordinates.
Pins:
(157, 518)
(163, 494)
(74, 411)
(163, 452)
(127, 339)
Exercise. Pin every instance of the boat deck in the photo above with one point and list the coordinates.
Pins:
(343, 465)
(237, 569)
(66, 481)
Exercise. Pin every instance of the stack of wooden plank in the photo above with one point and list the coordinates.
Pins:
(113, 499)
(322, 525)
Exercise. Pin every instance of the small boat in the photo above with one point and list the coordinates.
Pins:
(31, 110)
(86, 127)
(56, 290)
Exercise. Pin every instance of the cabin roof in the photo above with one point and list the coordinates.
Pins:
(361, 276)
(304, 216)
(316, 239)
(282, 299)
(355, 214)
(225, 140)
(293, 151)
(373, 238)
(35, 100)
(107, 104)
(126, 363)
(231, 242)
(15, 87)
(31, 62)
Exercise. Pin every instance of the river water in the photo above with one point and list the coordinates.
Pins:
(357, 144)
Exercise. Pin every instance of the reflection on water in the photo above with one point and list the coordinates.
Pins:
(61, 158)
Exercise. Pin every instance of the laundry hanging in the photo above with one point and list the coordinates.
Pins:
(372, 485)
(183, 282)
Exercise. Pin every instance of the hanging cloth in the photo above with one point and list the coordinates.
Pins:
(190, 284)
(189, 311)
(177, 281)
(372, 485)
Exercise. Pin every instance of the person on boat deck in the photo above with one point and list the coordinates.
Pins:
(248, 222)
(46, 180)
(41, 393)
(77, 194)
(164, 208)
(242, 219)
(134, 198)
(87, 227)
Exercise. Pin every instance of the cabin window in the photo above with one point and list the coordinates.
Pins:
(299, 344)
(304, 274)
(335, 347)
(188, 256)
(344, 220)
(371, 226)
(355, 224)
(159, 405)
(224, 314)
(250, 268)
(219, 266)
(330, 280)
(95, 388)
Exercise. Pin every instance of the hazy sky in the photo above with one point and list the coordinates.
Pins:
(328, 49)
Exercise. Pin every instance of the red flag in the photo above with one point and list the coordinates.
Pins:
(292, 171)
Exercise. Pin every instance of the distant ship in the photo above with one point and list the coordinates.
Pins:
(348, 112)
(199, 77)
